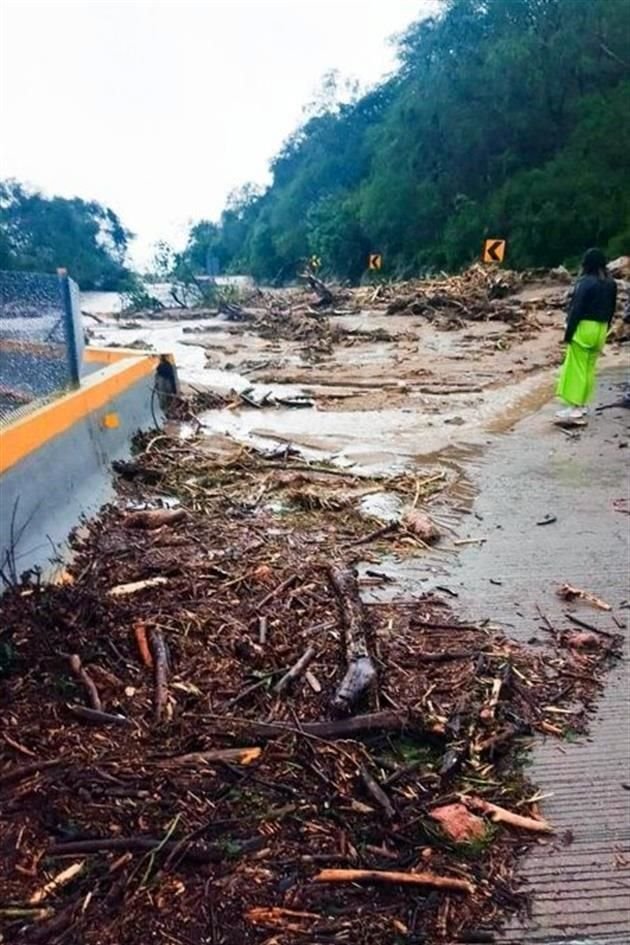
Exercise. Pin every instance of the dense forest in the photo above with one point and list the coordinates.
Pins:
(505, 118)
(41, 234)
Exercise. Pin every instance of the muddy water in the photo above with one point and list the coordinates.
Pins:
(194, 361)
(383, 440)
(386, 439)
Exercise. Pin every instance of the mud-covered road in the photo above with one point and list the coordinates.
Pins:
(478, 400)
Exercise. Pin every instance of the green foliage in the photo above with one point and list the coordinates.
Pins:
(42, 234)
(504, 119)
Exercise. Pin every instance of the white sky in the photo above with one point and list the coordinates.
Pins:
(159, 108)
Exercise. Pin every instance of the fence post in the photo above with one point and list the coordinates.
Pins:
(72, 348)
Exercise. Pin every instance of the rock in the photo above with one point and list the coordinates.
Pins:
(459, 823)
(561, 274)
(419, 524)
(620, 267)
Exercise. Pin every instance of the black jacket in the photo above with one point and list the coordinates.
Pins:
(594, 300)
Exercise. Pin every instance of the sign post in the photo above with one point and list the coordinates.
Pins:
(493, 251)
(375, 261)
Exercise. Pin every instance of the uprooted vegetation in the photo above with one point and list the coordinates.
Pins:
(207, 736)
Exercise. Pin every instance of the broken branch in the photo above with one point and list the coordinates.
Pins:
(82, 674)
(387, 876)
(298, 668)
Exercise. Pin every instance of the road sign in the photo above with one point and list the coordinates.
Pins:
(315, 263)
(493, 251)
(375, 261)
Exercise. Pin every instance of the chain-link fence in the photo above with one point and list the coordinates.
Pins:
(41, 340)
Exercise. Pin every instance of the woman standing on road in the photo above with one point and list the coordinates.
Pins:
(590, 313)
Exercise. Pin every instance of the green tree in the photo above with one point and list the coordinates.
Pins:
(504, 118)
(42, 234)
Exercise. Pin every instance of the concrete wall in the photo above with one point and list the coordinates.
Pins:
(56, 464)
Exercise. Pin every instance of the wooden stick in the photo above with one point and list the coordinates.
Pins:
(278, 590)
(298, 668)
(197, 853)
(499, 815)
(445, 656)
(353, 727)
(361, 671)
(240, 756)
(377, 533)
(387, 876)
(62, 879)
(161, 673)
(568, 592)
(16, 774)
(377, 793)
(469, 541)
(98, 718)
(140, 634)
(589, 626)
(82, 674)
(124, 590)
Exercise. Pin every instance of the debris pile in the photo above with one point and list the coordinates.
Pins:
(206, 735)
(450, 301)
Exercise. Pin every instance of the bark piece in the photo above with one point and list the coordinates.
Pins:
(240, 756)
(140, 634)
(154, 518)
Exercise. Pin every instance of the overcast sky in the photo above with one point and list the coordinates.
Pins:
(159, 108)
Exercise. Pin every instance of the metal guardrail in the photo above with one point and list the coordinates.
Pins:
(41, 340)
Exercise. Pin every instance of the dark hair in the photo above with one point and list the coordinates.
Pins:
(593, 262)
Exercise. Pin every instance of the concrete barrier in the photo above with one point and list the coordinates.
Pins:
(55, 461)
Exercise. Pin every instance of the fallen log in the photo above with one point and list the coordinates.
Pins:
(298, 668)
(82, 674)
(320, 288)
(361, 672)
(387, 876)
(161, 672)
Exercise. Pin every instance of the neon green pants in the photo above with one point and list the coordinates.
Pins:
(576, 383)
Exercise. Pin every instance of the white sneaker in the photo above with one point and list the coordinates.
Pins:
(571, 413)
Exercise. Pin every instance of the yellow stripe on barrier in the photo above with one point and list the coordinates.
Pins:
(30, 432)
